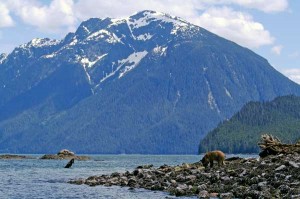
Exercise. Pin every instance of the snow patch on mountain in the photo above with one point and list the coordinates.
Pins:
(38, 43)
(131, 62)
(144, 37)
(50, 55)
(104, 34)
(150, 16)
(87, 63)
(86, 29)
(211, 100)
(74, 42)
(116, 22)
(227, 93)
(178, 95)
(162, 51)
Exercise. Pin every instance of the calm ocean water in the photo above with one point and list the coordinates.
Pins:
(34, 178)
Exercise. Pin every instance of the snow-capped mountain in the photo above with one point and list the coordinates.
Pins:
(150, 79)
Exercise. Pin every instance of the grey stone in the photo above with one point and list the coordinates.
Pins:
(280, 168)
(293, 164)
(203, 194)
(228, 195)
(202, 187)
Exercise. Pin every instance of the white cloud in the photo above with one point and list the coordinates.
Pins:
(293, 74)
(54, 17)
(237, 26)
(64, 15)
(277, 49)
(263, 5)
(5, 18)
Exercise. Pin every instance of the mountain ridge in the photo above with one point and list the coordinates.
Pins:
(159, 83)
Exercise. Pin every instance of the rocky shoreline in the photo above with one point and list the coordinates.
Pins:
(275, 176)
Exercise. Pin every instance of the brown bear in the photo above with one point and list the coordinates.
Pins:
(212, 156)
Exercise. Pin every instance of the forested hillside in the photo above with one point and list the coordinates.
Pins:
(240, 134)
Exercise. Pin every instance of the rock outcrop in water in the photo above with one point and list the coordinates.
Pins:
(64, 154)
(14, 157)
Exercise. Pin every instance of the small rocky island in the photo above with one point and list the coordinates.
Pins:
(64, 154)
(277, 175)
(14, 157)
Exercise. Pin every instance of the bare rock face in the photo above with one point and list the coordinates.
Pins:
(64, 154)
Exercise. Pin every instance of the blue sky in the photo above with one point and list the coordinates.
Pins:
(268, 27)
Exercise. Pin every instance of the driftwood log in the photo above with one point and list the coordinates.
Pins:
(271, 145)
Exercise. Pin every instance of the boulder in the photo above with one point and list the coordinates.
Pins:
(66, 152)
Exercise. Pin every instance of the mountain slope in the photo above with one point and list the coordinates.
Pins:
(150, 83)
(240, 134)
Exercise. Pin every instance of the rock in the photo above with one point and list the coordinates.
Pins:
(179, 191)
(148, 166)
(115, 174)
(78, 181)
(228, 195)
(293, 164)
(173, 183)
(203, 194)
(66, 152)
(284, 189)
(91, 182)
(137, 171)
(131, 182)
(262, 184)
(288, 177)
(295, 191)
(177, 168)
(280, 168)
(213, 195)
(233, 159)
(243, 173)
(180, 178)
(225, 178)
(202, 187)
(190, 178)
(185, 166)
